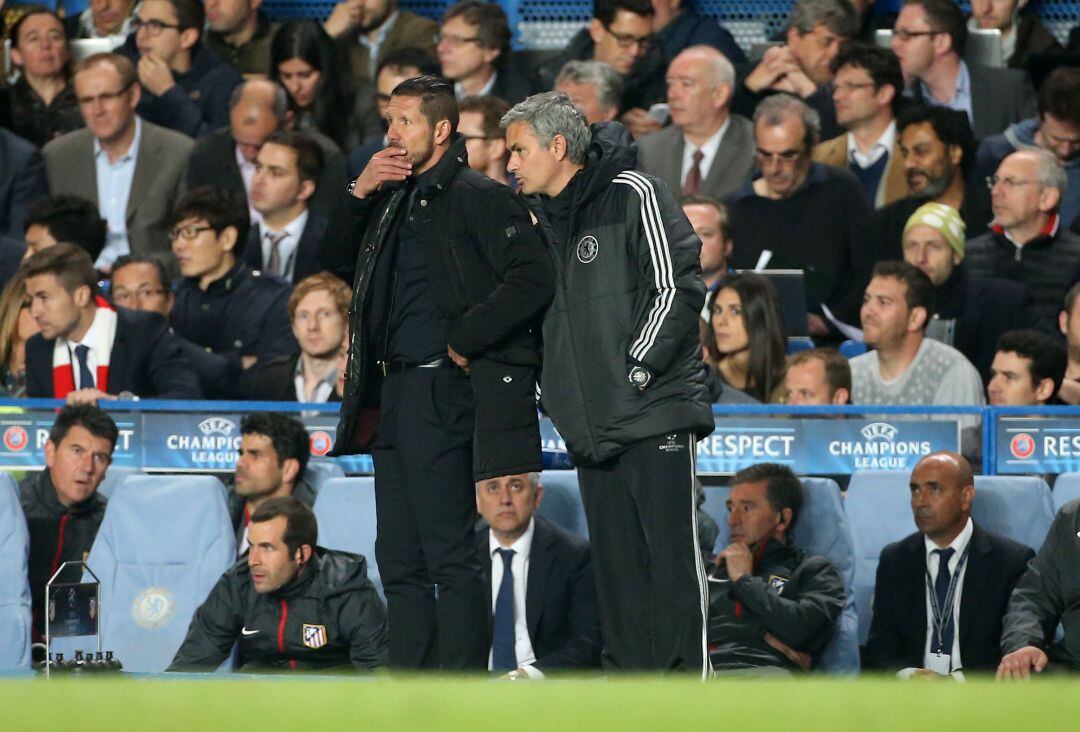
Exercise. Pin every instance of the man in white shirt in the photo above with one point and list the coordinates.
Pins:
(543, 600)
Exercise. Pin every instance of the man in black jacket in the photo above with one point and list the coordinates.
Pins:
(622, 376)
(449, 275)
(62, 507)
(288, 606)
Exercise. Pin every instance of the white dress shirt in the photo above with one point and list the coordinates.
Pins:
(322, 391)
(114, 180)
(287, 247)
(247, 173)
(883, 146)
(90, 339)
(708, 153)
(519, 565)
(460, 93)
(958, 545)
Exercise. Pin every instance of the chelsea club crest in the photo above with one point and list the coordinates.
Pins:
(587, 249)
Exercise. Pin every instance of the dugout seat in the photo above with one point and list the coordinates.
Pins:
(822, 529)
(1066, 488)
(14, 586)
(113, 478)
(1017, 506)
(561, 504)
(345, 510)
(318, 472)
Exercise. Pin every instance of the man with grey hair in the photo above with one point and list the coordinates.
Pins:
(594, 87)
(226, 158)
(798, 214)
(706, 150)
(627, 298)
(1026, 241)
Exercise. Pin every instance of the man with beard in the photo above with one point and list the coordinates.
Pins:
(367, 30)
(240, 34)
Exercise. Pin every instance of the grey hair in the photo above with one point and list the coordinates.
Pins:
(281, 100)
(1049, 171)
(550, 114)
(774, 108)
(534, 480)
(723, 73)
(839, 16)
(603, 78)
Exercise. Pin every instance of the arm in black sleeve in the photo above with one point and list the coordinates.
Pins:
(170, 374)
(348, 221)
(30, 186)
(364, 617)
(885, 646)
(212, 632)
(1037, 603)
(798, 621)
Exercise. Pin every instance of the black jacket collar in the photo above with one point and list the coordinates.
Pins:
(437, 179)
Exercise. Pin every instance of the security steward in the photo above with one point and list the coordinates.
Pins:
(771, 605)
(287, 606)
(440, 387)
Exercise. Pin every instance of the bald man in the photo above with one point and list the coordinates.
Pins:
(942, 592)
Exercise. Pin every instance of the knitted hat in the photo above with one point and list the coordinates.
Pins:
(943, 219)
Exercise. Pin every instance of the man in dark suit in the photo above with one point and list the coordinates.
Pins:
(22, 182)
(952, 564)
(544, 610)
(86, 351)
(474, 50)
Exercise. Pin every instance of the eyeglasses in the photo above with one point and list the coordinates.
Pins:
(122, 296)
(905, 35)
(993, 180)
(153, 27)
(106, 98)
(187, 233)
(851, 86)
(787, 157)
(455, 41)
(625, 40)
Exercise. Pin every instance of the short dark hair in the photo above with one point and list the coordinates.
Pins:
(945, 16)
(29, 11)
(70, 219)
(220, 208)
(164, 278)
(91, 418)
(837, 368)
(492, 27)
(300, 524)
(309, 155)
(920, 290)
(951, 126)
(1059, 95)
(287, 434)
(124, 67)
(189, 14)
(839, 16)
(783, 489)
(409, 57)
(879, 63)
(1070, 299)
(491, 108)
(69, 263)
(1046, 354)
(605, 10)
(436, 95)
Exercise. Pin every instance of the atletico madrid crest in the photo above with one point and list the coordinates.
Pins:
(314, 635)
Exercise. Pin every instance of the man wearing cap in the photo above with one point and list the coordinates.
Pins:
(972, 311)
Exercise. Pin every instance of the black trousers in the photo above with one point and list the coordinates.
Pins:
(425, 503)
(650, 579)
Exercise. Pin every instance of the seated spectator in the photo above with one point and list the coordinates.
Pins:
(972, 310)
(474, 51)
(678, 27)
(62, 507)
(770, 603)
(239, 33)
(485, 143)
(905, 366)
(809, 216)
(1069, 323)
(706, 150)
(1027, 371)
(937, 150)
(1056, 128)
(249, 605)
(544, 610)
(287, 240)
(1027, 243)
(43, 104)
(709, 218)
(816, 29)
(68, 219)
(593, 87)
(185, 86)
(223, 304)
(304, 60)
(144, 283)
(139, 164)
(367, 31)
(1022, 33)
(226, 158)
(817, 376)
(919, 631)
(319, 313)
(866, 95)
(86, 351)
(270, 463)
(16, 326)
(749, 331)
(103, 19)
(929, 39)
(22, 182)
(1044, 598)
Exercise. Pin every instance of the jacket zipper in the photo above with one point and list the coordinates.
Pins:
(281, 632)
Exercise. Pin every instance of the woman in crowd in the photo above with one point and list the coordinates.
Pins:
(304, 60)
(748, 336)
(16, 326)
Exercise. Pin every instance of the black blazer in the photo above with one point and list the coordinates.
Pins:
(999, 97)
(274, 381)
(22, 182)
(307, 253)
(898, 629)
(561, 611)
(146, 360)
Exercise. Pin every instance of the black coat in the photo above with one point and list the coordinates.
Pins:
(898, 629)
(561, 609)
(307, 253)
(274, 381)
(512, 86)
(999, 97)
(146, 360)
(22, 182)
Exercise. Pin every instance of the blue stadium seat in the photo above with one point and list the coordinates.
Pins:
(14, 587)
(822, 529)
(1017, 506)
(114, 476)
(345, 510)
(851, 349)
(878, 509)
(797, 343)
(1066, 488)
(165, 541)
(318, 472)
(561, 504)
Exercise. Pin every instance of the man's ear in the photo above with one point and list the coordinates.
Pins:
(227, 239)
(917, 318)
(307, 190)
(841, 396)
(596, 30)
(82, 296)
(442, 131)
(189, 37)
(1044, 390)
(304, 552)
(785, 520)
(1063, 322)
(290, 471)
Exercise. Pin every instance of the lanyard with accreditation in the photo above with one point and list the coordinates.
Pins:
(941, 657)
